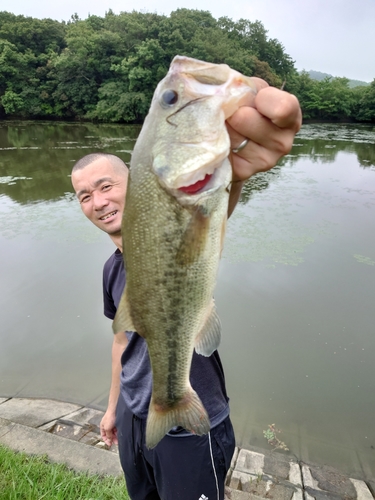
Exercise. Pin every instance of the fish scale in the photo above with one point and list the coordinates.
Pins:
(173, 233)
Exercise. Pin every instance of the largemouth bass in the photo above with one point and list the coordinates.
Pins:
(173, 229)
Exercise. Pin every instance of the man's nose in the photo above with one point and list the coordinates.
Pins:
(99, 200)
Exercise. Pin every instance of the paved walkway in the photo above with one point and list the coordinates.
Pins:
(69, 433)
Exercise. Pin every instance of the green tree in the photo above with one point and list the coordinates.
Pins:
(132, 28)
(364, 107)
(82, 67)
(334, 98)
(252, 36)
(179, 33)
(35, 35)
(117, 104)
(12, 102)
(327, 99)
(108, 67)
(146, 67)
(17, 75)
(24, 55)
(305, 88)
(129, 97)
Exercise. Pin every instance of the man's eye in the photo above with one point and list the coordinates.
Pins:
(85, 199)
(106, 187)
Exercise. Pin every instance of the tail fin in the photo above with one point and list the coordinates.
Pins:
(188, 413)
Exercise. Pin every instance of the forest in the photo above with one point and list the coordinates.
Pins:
(106, 68)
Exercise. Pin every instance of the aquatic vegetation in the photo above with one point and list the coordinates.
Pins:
(271, 435)
(364, 260)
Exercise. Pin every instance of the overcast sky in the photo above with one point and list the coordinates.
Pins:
(332, 36)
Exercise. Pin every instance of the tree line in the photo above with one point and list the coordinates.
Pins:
(106, 68)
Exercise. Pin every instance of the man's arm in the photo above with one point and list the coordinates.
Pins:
(108, 429)
(270, 123)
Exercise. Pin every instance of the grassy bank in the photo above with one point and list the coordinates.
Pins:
(24, 477)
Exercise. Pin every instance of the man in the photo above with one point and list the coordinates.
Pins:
(182, 465)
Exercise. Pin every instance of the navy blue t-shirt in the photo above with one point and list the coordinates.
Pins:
(206, 375)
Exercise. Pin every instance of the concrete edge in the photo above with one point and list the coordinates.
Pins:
(84, 457)
(76, 455)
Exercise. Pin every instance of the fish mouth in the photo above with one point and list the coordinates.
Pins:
(205, 179)
(197, 186)
(107, 216)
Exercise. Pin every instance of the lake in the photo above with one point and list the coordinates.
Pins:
(295, 291)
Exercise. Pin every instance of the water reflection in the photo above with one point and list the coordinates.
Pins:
(321, 143)
(36, 158)
(295, 289)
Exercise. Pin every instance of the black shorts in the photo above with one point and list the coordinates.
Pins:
(179, 467)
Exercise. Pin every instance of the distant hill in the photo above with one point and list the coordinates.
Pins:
(318, 75)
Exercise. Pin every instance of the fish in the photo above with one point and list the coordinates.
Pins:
(173, 230)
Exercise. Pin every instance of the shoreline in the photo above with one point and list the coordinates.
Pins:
(69, 433)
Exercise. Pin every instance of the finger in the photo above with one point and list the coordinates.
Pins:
(280, 107)
(249, 123)
(236, 137)
(106, 435)
(251, 160)
(107, 440)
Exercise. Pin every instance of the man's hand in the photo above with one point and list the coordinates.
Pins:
(108, 429)
(270, 122)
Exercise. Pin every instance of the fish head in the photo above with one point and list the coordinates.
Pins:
(188, 112)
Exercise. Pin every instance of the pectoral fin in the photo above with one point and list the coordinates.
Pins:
(209, 337)
(123, 321)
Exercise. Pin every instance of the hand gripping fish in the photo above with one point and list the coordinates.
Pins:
(173, 229)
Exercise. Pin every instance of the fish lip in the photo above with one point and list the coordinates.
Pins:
(210, 168)
(198, 175)
(110, 214)
(221, 177)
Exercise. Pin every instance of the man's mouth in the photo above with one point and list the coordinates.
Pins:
(107, 216)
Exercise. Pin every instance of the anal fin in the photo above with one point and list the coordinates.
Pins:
(208, 339)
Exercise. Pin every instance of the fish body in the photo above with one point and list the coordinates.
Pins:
(173, 229)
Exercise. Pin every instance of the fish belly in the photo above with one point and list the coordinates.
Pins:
(169, 292)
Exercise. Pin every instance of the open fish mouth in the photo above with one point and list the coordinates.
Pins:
(204, 180)
(197, 186)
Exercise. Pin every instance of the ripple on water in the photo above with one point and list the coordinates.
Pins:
(338, 132)
(364, 260)
(59, 220)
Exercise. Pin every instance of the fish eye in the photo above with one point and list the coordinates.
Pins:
(169, 97)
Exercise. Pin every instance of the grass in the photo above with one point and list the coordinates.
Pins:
(24, 477)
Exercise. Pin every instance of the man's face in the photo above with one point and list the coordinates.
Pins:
(100, 189)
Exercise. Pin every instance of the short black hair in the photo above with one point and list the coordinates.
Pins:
(114, 160)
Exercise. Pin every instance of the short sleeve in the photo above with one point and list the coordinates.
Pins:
(109, 305)
(114, 279)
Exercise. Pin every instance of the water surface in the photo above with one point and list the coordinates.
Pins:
(295, 291)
